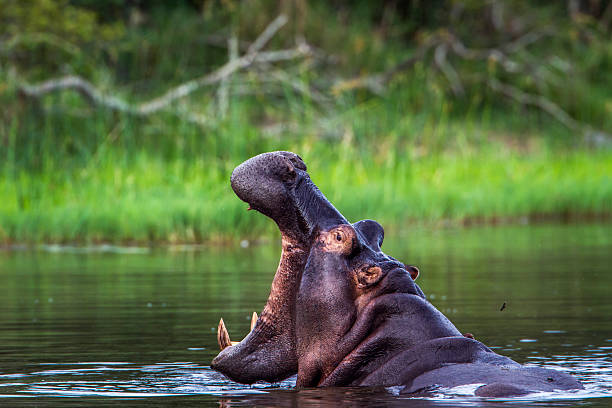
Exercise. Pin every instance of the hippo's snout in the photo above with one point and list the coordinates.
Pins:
(277, 185)
(262, 181)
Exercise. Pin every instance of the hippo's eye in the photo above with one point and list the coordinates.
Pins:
(340, 239)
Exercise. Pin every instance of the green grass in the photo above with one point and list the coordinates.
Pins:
(175, 203)
(379, 163)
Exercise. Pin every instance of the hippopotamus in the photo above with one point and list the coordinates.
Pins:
(341, 312)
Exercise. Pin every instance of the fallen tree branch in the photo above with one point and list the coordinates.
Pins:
(486, 54)
(442, 43)
(536, 100)
(97, 97)
(267, 34)
(525, 40)
(216, 76)
(299, 86)
(223, 91)
(84, 87)
(447, 69)
(377, 82)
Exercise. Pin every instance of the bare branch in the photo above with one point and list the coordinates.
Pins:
(95, 96)
(267, 34)
(223, 91)
(525, 40)
(298, 86)
(84, 87)
(447, 69)
(443, 42)
(536, 70)
(487, 54)
(223, 72)
(536, 100)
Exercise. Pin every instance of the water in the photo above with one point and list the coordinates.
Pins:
(106, 325)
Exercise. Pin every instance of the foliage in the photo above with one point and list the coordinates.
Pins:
(424, 145)
(49, 36)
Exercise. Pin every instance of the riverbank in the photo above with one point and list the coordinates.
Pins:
(147, 200)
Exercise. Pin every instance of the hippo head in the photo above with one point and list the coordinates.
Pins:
(277, 185)
(346, 272)
(313, 233)
(341, 312)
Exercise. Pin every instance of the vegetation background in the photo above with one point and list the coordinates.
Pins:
(122, 120)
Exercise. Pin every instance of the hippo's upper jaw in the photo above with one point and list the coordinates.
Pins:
(277, 185)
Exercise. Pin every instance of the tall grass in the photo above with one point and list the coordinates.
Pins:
(131, 181)
(69, 173)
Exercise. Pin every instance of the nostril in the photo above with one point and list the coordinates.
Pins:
(289, 174)
(280, 168)
(295, 159)
(298, 163)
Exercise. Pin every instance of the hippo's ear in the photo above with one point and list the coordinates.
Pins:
(372, 232)
(413, 271)
(368, 276)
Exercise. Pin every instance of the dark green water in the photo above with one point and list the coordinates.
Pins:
(108, 326)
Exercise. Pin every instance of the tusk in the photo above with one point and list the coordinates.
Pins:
(223, 337)
(253, 320)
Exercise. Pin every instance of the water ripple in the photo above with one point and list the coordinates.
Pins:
(128, 380)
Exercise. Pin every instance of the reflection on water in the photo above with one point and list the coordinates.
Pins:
(165, 382)
(120, 379)
(95, 327)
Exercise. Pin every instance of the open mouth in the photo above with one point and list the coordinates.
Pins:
(277, 185)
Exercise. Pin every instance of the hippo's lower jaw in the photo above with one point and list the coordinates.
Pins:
(265, 354)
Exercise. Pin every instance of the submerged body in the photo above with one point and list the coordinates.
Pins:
(361, 320)
(343, 313)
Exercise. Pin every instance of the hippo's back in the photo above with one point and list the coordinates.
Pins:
(497, 381)
(454, 361)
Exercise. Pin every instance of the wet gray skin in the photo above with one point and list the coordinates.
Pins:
(341, 312)
(277, 185)
(362, 321)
